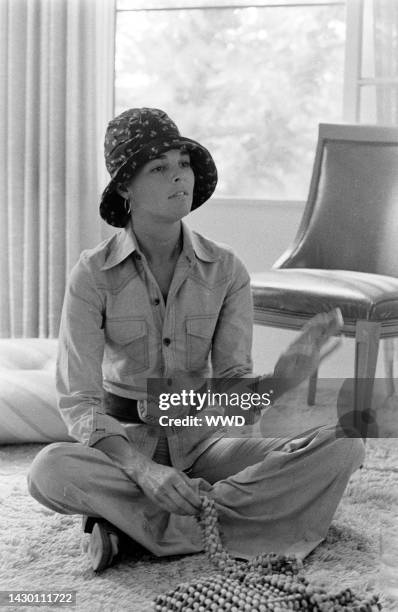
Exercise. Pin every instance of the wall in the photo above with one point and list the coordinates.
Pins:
(258, 231)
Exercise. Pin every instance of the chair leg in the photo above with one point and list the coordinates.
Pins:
(389, 365)
(366, 351)
(312, 388)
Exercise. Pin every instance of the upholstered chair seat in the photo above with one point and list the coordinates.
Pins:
(302, 293)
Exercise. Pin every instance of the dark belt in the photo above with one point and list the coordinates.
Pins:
(122, 408)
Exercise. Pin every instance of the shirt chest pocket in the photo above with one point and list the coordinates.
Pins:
(128, 338)
(199, 337)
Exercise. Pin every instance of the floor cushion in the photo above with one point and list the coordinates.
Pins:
(28, 407)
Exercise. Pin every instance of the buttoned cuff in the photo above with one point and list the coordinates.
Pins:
(106, 426)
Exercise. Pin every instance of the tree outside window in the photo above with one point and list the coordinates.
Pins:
(251, 84)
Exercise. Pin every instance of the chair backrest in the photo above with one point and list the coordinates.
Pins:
(351, 218)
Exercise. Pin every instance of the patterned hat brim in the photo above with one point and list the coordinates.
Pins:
(202, 163)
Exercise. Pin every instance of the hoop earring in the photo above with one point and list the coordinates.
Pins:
(127, 208)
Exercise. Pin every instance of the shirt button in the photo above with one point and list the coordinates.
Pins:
(166, 341)
(138, 256)
(156, 301)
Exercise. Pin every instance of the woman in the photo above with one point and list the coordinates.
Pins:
(157, 300)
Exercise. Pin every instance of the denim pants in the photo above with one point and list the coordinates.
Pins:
(272, 494)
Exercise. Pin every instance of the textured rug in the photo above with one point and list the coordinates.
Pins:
(41, 550)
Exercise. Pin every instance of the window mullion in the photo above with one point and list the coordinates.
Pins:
(353, 60)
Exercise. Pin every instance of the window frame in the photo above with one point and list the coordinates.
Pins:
(353, 79)
(229, 4)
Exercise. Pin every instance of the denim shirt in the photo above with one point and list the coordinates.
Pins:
(116, 332)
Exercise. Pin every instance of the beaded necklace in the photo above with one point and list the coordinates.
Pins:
(266, 583)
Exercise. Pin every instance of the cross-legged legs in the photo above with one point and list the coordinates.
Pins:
(272, 494)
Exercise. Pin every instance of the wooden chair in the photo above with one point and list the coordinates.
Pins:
(346, 250)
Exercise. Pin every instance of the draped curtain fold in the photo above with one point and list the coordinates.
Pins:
(385, 20)
(56, 70)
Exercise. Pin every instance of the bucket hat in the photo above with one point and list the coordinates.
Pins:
(135, 137)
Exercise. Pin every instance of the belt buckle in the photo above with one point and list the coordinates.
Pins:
(143, 412)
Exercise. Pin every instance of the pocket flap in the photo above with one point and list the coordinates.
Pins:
(125, 330)
(201, 326)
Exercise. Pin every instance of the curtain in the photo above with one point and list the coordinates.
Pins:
(56, 97)
(385, 20)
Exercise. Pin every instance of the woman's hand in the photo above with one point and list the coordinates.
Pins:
(170, 489)
(167, 487)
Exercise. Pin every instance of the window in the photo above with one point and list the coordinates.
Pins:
(372, 62)
(250, 80)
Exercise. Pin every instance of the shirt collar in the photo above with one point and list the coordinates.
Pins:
(196, 245)
(120, 247)
(124, 244)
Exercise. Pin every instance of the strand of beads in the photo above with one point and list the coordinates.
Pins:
(208, 521)
(267, 583)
